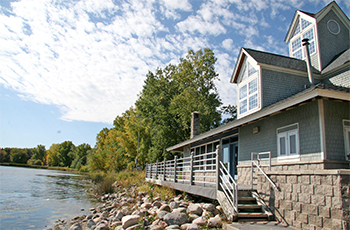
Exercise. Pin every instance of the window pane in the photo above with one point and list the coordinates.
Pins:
(253, 86)
(243, 106)
(297, 30)
(292, 144)
(253, 101)
(251, 70)
(305, 23)
(309, 34)
(282, 146)
(296, 44)
(298, 54)
(243, 92)
(312, 47)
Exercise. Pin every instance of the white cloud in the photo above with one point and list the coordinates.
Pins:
(196, 24)
(227, 44)
(90, 58)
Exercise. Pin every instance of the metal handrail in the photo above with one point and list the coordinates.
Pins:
(232, 197)
(258, 166)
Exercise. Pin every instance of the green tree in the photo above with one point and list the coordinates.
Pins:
(19, 156)
(5, 155)
(170, 95)
(39, 156)
(229, 112)
(79, 155)
(52, 157)
(64, 149)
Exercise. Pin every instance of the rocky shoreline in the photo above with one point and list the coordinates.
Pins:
(129, 209)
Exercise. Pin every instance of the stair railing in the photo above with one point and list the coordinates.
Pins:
(229, 186)
(256, 163)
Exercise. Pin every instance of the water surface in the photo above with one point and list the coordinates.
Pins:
(37, 198)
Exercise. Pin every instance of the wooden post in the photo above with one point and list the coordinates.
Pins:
(164, 169)
(217, 168)
(191, 169)
(175, 165)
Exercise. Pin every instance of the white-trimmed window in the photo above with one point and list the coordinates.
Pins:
(248, 89)
(288, 140)
(346, 125)
(304, 29)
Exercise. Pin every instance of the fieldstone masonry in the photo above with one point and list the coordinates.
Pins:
(308, 199)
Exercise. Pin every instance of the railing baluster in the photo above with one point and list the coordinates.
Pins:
(217, 168)
(191, 169)
(164, 169)
(175, 171)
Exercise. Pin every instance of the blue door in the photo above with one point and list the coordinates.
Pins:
(230, 158)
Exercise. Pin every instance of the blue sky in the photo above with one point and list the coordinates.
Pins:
(69, 67)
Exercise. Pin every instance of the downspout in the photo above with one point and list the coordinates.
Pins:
(308, 60)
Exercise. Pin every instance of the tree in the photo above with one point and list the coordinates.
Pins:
(79, 155)
(64, 150)
(5, 155)
(52, 157)
(39, 156)
(170, 95)
(230, 112)
(19, 156)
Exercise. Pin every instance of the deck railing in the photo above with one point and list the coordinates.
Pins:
(194, 170)
(204, 170)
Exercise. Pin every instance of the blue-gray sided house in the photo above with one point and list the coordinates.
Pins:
(298, 116)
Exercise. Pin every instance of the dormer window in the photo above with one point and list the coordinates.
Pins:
(304, 29)
(248, 89)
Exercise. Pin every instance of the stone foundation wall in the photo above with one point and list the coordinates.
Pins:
(244, 172)
(309, 199)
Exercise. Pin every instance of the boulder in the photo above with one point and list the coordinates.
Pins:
(193, 216)
(193, 227)
(161, 214)
(137, 212)
(119, 215)
(101, 226)
(164, 207)
(195, 209)
(180, 209)
(146, 205)
(175, 218)
(156, 204)
(104, 215)
(130, 220)
(214, 221)
(156, 227)
(209, 207)
(173, 205)
(134, 227)
(76, 226)
(207, 214)
(90, 223)
(199, 221)
(173, 227)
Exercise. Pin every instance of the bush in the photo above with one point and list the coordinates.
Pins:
(105, 186)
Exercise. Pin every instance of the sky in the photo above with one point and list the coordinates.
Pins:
(69, 67)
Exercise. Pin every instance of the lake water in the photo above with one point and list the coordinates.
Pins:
(37, 198)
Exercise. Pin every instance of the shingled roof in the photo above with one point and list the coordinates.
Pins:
(279, 60)
(338, 61)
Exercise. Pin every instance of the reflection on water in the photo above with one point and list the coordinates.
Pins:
(36, 198)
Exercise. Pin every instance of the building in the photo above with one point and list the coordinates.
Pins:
(294, 110)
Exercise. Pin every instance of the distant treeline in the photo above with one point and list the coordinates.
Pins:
(160, 118)
(65, 154)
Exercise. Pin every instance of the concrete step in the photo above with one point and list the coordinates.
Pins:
(249, 206)
(251, 215)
